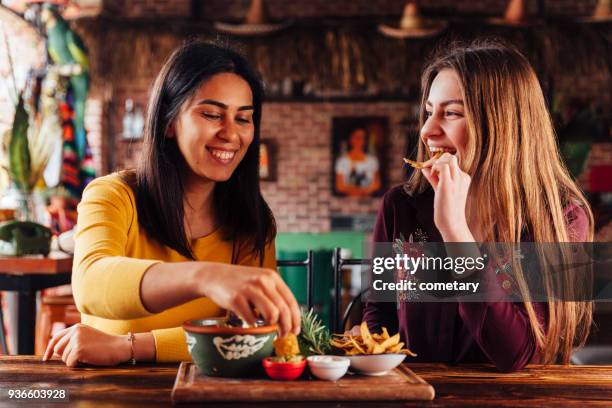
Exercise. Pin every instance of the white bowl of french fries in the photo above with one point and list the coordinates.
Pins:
(371, 353)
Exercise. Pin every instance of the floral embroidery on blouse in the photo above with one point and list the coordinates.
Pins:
(401, 247)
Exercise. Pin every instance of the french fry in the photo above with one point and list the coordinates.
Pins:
(340, 344)
(390, 342)
(367, 338)
(358, 347)
(385, 333)
(369, 343)
(365, 332)
(396, 348)
(399, 349)
(352, 352)
(377, 349)
(420, 165)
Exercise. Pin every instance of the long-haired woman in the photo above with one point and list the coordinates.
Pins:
(187, 233)
(500, 178)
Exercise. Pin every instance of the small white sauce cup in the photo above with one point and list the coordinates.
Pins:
(329, 368)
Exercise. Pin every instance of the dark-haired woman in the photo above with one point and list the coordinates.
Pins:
(188, 233)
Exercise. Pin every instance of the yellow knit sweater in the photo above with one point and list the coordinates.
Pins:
(112, 254)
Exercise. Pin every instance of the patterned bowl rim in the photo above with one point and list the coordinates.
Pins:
(192, 327)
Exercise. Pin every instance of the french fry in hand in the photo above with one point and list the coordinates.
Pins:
(420, 165)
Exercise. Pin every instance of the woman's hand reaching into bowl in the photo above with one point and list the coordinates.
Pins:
(240, 289)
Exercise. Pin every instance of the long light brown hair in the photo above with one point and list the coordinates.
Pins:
(519, 182)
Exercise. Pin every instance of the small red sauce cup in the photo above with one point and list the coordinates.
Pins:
(283, 371)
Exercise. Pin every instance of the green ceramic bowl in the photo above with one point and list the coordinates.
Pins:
(228, 351)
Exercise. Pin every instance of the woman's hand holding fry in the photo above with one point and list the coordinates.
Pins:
(451, 186)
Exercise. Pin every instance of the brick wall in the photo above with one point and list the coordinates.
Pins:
(302, 199)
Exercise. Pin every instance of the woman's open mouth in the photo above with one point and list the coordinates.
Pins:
(222, 156)
(436, 149)
(434, 154)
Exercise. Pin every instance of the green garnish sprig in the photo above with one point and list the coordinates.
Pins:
(314, 337)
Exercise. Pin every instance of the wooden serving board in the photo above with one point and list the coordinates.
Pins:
(400, 384)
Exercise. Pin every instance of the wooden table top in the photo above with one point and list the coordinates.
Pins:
(55, 263)
(466, 385)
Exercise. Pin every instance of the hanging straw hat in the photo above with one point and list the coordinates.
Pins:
(514, 16)
(601, 14)
(256, 23)
(412, 25)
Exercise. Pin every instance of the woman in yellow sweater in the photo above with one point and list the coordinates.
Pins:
(188, 233)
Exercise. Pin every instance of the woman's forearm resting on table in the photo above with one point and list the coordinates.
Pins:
(501, 329)
(503, 332)
(144, 347)
(84, 344)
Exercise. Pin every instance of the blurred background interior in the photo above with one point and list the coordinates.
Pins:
(340, 76)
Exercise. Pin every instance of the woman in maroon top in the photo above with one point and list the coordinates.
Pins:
(500, 179)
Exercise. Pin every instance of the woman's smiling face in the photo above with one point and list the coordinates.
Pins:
(215, 127)
(445, 128)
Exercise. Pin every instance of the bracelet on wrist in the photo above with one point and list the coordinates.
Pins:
(131, 339)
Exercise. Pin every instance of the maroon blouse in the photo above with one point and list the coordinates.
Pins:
(468, 332)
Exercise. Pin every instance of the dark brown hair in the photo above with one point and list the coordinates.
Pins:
(239, 208)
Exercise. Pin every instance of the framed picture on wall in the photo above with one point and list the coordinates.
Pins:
(358, 156)
(267, 160)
